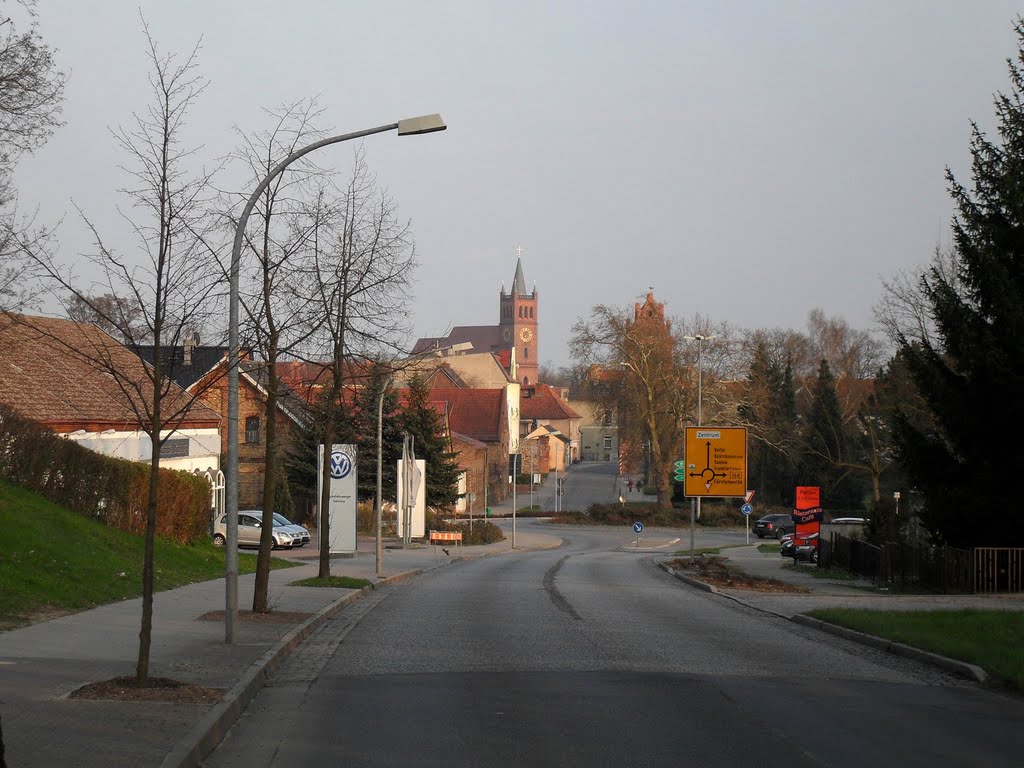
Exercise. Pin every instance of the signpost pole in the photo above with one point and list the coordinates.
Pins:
(693, 525)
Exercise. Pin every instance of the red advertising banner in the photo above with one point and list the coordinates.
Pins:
(808, 497)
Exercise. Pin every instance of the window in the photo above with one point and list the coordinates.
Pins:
(526, 353)
(607, 441)
(252, 429)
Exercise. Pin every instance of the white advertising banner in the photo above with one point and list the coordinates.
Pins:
(419, 507)
(341, 513)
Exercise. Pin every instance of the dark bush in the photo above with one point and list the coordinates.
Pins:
(113, 491)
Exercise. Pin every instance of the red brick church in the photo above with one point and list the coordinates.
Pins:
(513, 339)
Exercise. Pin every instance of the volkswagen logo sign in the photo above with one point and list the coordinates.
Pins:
(341, 465)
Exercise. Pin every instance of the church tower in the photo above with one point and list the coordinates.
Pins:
(518, 323)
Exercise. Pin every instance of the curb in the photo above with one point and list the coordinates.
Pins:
(953, 666)
(190, 751)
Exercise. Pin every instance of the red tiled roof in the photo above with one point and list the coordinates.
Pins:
(51, 371)
(544, 404)
(474, 412)
(467, 441)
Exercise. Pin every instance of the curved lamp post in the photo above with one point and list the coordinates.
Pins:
(411, 127)
(700, 339)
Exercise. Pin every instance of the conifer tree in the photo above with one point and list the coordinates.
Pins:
(964, 465)
(423, 422)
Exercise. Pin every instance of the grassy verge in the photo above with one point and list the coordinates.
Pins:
(707, 550)
(836, 574)
(994, 640)
(52, 559)
(770, 548)
(345, 582)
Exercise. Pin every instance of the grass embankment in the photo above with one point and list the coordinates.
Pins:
(54, 560)
(345, 582)
(992, 639)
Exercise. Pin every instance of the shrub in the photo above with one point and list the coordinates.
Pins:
(113, 491)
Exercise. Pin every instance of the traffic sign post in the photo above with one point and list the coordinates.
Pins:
(746, 509)
(638, 528)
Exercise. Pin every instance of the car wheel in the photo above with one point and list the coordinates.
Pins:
(779, 533)
(814, 557)
(219, 541)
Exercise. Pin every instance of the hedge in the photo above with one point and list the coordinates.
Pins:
(112, 491)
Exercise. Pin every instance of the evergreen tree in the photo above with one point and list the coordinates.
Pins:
(423, 422)
(365, 427)
(826, 446)
(963, 464)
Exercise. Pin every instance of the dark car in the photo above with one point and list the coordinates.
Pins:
(775, 526)
(807, 550)
(793, 542)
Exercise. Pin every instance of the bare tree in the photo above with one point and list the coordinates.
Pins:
(362, 262)
(904, 311)
(277, 309)
(31, 93)
(169, 276)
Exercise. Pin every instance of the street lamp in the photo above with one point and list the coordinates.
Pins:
(410, 127)
(700, 338)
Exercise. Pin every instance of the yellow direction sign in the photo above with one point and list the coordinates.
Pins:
(716, 461)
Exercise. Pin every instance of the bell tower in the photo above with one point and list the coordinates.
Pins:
(518, 323)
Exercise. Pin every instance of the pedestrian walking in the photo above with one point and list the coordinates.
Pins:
(630, 484)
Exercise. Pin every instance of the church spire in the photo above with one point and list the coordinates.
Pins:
(519, 282)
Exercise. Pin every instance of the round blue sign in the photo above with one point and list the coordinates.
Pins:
(746, 509)
(341, 465)
(638, 526)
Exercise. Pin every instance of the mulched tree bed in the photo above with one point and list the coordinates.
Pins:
(712, 569)
(160, 689)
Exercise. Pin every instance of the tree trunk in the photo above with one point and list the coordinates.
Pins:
(146, 630)
(261, 590)
(324, 524)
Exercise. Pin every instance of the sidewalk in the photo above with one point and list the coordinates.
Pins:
(43, 663)
(839, 593)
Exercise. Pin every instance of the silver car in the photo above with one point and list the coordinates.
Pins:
(302, 535)
(250, 524)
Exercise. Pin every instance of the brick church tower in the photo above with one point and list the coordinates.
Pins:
(518, 323)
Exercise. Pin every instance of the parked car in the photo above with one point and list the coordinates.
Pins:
(791, 542)
(250, 523)
(848, 521)
(774, 525)
(807, 551)
(298, 530)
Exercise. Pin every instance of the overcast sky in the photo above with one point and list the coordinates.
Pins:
(749, 160)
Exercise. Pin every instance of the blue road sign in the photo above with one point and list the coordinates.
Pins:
(638, 527)
(746, 509)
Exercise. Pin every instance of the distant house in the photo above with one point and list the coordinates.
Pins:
(542, 405)
(49, 373)
(479, 424)
(212, 388)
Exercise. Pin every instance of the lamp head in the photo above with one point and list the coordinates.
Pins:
(416, 125)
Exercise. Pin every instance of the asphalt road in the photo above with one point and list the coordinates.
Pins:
(590, 655)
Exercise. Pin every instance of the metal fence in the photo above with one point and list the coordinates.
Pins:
(941, 569)
(998, 569)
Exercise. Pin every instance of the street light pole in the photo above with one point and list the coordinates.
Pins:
(700, 339)
(410, 127)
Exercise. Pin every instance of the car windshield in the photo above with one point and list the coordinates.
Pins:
(280, 519)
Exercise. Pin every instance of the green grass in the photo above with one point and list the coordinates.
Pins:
(994, 640)
(52, 559)
(822, 573)
(345, 582)
(770, 548)
(707, 550)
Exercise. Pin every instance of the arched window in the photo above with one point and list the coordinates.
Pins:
(531, 313)
(526, 353)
